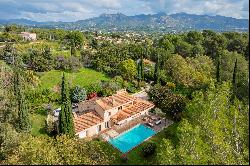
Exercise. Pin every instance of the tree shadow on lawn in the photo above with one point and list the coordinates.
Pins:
(41, 111)
(43, 131)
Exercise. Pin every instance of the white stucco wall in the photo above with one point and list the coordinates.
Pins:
(89, 132)
(112, 112)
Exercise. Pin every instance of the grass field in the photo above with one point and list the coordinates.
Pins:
(65, 53)
(83, 78)
(55, 47)
(37, 123)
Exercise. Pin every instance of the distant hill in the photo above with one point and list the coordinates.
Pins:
(160, 22)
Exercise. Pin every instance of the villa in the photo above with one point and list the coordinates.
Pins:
(28, 36)
(94, 116)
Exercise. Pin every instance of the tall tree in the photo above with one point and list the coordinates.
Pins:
(234, 73)
(218, 70)
(170, 103)
(141, 64)
(138, 73)
(66, 125)
(127, 69)
(214, 131)
(227, 68)
(24, 124)
(75, 41)
(157, 70)
(73, 49)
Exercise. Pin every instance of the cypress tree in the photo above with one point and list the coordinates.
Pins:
(138, 74)
(157, 70)
(66, 125)
(73, 50)
(218, 71)
(234, 81)
(234, 73)
(141, 68)
(24, 124)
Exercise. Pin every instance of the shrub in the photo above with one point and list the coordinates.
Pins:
(96, 139)
(78, 94)
(143, 84)
(109, 88)
(74, 63)
(171, 85)
(148, 149)
(92, 95)
(118, 80)
(93, 88)
(61, 63)
(131, 89)
(50, 126)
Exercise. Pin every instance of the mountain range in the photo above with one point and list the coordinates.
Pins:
(159, 22)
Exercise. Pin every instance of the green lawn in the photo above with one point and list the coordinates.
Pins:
(83, 78)
(134, 156)
(65, 53)
(38, 123)
(50, 79)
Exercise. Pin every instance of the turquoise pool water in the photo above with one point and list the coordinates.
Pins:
(131, 138)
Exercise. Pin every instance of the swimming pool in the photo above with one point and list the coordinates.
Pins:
(131, 138)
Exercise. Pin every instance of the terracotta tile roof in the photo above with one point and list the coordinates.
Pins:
(85, 104)
(88, 117)
(116, 100)
(86, 120)
(138, 106)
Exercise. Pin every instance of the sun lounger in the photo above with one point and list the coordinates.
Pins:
(150, 124)
(158, 122)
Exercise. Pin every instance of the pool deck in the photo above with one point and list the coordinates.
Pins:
(151, 118)
(122, 128)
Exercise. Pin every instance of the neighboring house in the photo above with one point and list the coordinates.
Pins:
(28, 36)
(94, 116)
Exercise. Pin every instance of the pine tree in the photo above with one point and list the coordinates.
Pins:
(66, 125)
(24, 123)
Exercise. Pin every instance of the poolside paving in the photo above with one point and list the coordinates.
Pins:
(124, 127)
(129, 125)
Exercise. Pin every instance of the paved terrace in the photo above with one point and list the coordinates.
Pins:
(152, 118)
(124, 127)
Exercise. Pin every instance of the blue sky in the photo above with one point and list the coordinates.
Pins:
(72, 10)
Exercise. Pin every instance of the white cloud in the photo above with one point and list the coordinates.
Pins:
(109, 4)
(231, 8)
(71, 10)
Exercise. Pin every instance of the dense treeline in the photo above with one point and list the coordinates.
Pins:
(214, 130)
(198, 79)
